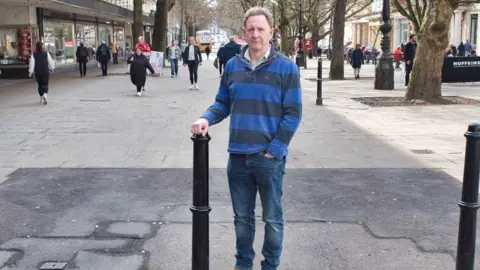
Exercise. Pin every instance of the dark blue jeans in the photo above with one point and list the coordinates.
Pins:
(246, 175)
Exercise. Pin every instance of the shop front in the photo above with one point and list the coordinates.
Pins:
(18, 34)
(61, 34)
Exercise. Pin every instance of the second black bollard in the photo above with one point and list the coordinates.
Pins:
(467, 231)
(319, 82)
(200, 208)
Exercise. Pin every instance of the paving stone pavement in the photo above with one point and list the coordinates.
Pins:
(436, 128)
(101, 179)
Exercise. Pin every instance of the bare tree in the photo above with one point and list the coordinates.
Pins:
(160, 28)
(430, 19)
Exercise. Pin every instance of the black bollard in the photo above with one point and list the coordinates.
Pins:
(469, 203)
(200, 208)
(319, 82)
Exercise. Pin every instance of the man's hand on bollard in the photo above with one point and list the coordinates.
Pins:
(200, 127)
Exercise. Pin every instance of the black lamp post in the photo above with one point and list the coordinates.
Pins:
(384, 70)
(300, 59)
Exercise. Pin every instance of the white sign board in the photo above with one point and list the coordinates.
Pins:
(156, 60)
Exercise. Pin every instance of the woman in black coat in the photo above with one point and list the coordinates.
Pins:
(357, 60)
(138, 70)
(192, 57)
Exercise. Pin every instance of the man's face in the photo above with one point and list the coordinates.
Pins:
(140, 41)
(192, 41)
(414, 39)
(173, 43)
(258, 32)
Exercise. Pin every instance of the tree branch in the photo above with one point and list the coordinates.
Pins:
(367, 4)
(409, 16)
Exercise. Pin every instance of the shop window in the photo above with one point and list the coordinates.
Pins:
(16, 45)
(88, 35)
(58, 41)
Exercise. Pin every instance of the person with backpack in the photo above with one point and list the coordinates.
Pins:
(103, 57)
(82, 59)
(41, 63)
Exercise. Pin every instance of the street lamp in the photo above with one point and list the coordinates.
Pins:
(299, 59)
(384, 69)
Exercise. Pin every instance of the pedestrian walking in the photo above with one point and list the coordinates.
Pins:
(174, 54)
(409, 57)
(221, 64)
(356, 61)
(260, 89)
(139, 64)
(193, 58)
(82, 59)
(41, 63)
(104, 56)
(114, 48)
(208, 51)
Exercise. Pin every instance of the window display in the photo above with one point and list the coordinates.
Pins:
(16, 45)
(58, 41)
(120, 39)
(88, 35)
(105, 33)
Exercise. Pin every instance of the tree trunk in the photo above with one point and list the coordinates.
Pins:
(426, 77)
(137, 28)
(180, 36)
(337, 61)
(283, 26)
(160, 28)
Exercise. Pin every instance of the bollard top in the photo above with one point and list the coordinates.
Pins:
(474, 127)
(196, 137)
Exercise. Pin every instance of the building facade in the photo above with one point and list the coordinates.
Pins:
(61, 25)
(365, 27)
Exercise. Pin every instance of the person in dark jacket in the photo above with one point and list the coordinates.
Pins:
(357, 60)
(208, 51)
(192, 57)
(221, 64)
(41, 63)
(103, 57)
(409, 57)
(461, 49)
(138, 70)
(230, 50)
(82, 59)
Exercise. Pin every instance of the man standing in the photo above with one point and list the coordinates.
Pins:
(260, 89)
(408, 57)
(174, 54)
(103, 57)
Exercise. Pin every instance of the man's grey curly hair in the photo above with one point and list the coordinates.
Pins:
(256, 11)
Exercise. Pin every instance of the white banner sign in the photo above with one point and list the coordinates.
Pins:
(156, 60)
